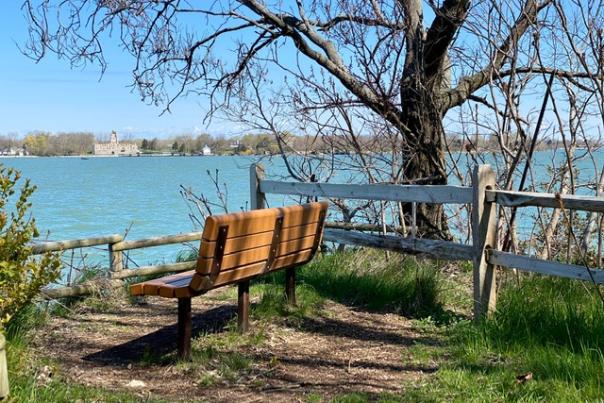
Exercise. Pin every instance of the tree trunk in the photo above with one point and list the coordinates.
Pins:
(425, 154)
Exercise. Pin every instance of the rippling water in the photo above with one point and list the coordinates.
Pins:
(78, 198)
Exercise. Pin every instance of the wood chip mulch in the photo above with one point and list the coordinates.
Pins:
(342, 350)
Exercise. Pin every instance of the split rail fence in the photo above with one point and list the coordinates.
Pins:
(482, 196)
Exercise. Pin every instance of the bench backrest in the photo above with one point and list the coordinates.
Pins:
(239, 246)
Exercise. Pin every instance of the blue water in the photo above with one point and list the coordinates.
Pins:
(79, 198)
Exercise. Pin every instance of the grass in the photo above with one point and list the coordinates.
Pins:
(548, 330)
(217, 358)
(552, 329)
(366, 280)
(273, 303)
(362, 280)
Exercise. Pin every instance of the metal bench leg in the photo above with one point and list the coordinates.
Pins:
(290, 285)
(184, 328)
(243, 306)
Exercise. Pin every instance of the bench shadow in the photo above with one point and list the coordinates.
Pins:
(313, 362)
(339, 328)
(163, 341)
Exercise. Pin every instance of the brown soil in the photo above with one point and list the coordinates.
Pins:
(342, 350)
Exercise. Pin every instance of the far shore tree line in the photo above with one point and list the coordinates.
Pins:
(82, 143)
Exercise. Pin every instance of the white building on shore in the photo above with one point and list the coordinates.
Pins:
(13, 152)
(114, 147)
(206, 150)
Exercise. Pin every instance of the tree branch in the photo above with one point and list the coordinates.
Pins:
(470, 84)
(445, 26)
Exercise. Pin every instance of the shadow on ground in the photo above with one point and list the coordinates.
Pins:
(163, 341)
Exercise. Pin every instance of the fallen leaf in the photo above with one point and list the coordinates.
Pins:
(524, 378)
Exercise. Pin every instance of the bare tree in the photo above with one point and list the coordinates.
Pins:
(392, 67)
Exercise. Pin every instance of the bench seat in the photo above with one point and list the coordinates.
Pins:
(178, 285)
(174, 286)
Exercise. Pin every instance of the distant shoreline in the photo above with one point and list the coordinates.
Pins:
(86, 156)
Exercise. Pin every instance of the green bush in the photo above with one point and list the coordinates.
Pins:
(21, 275)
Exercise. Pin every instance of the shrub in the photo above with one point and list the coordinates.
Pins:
(21, 275)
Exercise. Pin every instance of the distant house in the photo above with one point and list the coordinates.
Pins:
(13, 152)
(114, 147)
(206, 150)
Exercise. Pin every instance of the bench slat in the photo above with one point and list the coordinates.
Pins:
(153, 287)
(249, 256)
(237, 244)
(252, 270)
(256, 221)
(178, 287)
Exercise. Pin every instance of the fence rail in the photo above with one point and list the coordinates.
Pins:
(430, 247)
(510, 198)
(57, 246)
(552, 268)
(482, 197)
(445, 194)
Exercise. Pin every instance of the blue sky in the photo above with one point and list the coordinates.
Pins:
(51, 96)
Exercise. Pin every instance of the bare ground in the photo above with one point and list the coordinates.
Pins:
(342, 350)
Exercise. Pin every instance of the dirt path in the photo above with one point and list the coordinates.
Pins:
(342, 350)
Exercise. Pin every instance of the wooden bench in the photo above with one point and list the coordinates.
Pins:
(236, 248)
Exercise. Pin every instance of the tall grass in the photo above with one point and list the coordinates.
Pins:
(544, 343)
(366, 279)
(549, 311)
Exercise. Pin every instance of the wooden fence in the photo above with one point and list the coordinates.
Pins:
(482, 196)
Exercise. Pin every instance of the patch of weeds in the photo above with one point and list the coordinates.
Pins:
(366, 397)
(233, 364)
(96, 303)
(101, 301)
(89, 273)
(273, 303)
(420, 354)
(219, 358)
(227, 293)
(29, 317)
(314, 398)
(150, 357)
(365, 278)
(544, 343)
(465, 266)
(187, 255)
(351, 398)
(207, 379)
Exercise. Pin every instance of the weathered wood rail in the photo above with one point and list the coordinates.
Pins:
(484, 199)
(482, 196)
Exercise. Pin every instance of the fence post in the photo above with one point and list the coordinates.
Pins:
(3, 369)
(257, 198)
(116, 258)
(484, 236)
